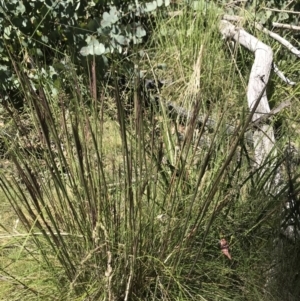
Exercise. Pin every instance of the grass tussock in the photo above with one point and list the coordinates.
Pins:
(121, 208)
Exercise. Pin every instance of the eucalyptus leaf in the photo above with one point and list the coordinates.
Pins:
(93, 47)
(20, 9)
(45, 39)
(64, 23)
(3, 68)
(150, 6)
(105, 20)
(99, 49)
(140, 32)
(7, 31)
(283, 16)
(78, 5)
(110, 18)
(122, 40)
(268, 14)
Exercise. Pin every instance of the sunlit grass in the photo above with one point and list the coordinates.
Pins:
(117, 208)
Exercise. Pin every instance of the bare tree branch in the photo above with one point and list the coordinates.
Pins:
(264, 138)
(282, 10)
(282, 76)
(273, 35)
(279, 39)
(285, 26)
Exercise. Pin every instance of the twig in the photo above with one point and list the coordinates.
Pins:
(279, 39)
(274, 24)
(273, 35)
(282, 10)
(232, 18)
(176, 13)
(276, 37)
(271, 113)
(282, 76)
(285, 26)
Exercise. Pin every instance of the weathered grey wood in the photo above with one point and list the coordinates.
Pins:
(263, 137)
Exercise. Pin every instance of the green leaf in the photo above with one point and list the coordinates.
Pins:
(283, 16)
(7, 31)
(261, 16)
(45, 39)
(93, 47)
(105, 20)
(21, 8)
(3, 68)
(268, 14)
(140, 31)
(98, 48)
(85, 51)
(122, 40)
(150, 6)
(39, 52)
(110, 18)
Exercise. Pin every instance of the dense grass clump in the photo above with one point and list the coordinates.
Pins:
(112, 203)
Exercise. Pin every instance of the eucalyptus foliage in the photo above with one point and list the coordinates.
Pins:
(44, 29)
(126, 209)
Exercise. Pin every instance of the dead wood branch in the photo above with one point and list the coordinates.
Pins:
(285, 26)
(273, 35)
(282, 76)
(282, 10)
(263, 138)
(279, 39)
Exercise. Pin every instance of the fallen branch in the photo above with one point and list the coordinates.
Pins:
(279, 39)
(273, 35)
(264, 139)
(183, 115)
(285, 26)
(282, 10)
